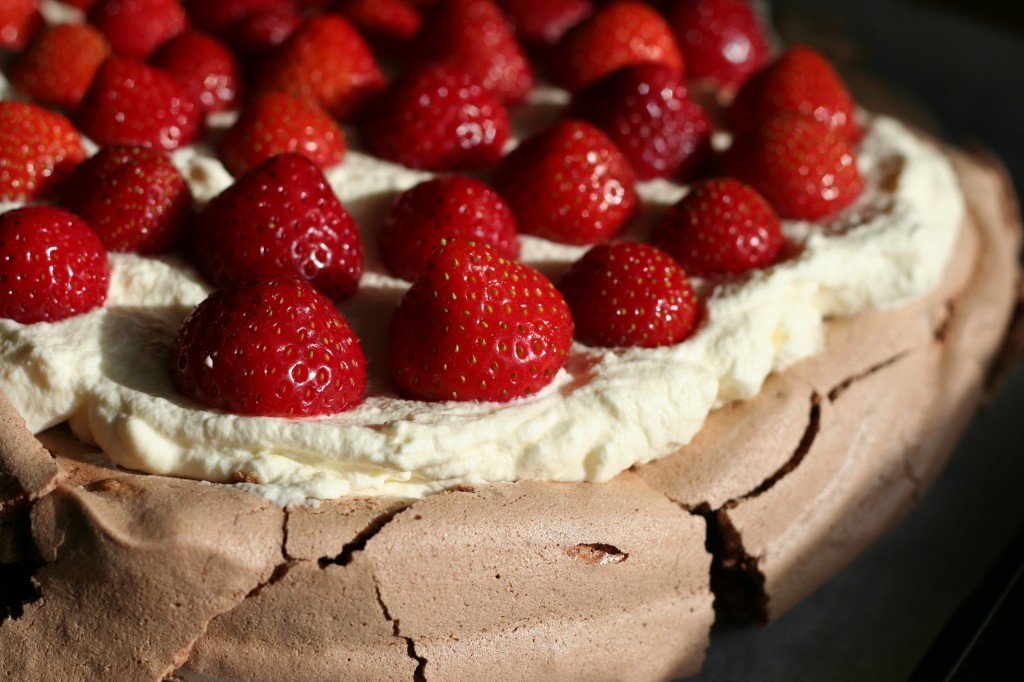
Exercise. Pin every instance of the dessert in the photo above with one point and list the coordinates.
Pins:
(551, 516)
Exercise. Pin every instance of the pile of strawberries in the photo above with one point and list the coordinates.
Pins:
(649, 85)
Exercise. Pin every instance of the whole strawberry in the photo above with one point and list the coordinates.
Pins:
(800, 82)
(569, 184)
(646, 111)
(133, 103)
(723, 41)
(20, 20)
(52, 266)
(475, 37)
(445, 208)
(721, 227)
(258, 34)
(276, 123)
(136, 28)
(620, 34)
(805, 170)
(476, 326)
(58, 67)
(624, 294)
(38, 149)
(275, 349)
(279, 219)
(217, 16)
(327, 62)
(387, 24)
(208, 70)
(439, 119)
(540, 25)
(133, 197)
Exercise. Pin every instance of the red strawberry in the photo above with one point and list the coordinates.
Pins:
(721, 227)
(279, 219)
(83, 5)
(216, 16)
(133, 197)
(52, 266)
(476, 326)
(208, 70)
(38, 149)
(387, 24)
(136, 28)
(723, 41)
(800, 82)
(58, 67)
(438, 119)
(474, 36)
(444, 208)
(258, 34)
(327, 62)
(646, 111)
(805, 170)
(273, 349)
(619, 34)
(629, 294)
(569, 184)
(542, 24)
(20, 20)
(133, 103)
(275, 124)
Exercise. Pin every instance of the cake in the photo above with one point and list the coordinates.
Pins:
(601, 567)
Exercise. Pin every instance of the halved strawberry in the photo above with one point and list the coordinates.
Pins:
(476, 326)
(721, 227)
(136, 28)
(20, 20)
(569, 184)
(800, 82)
(327, 62)
(281, 218)
(646, 111)
(277, 349)
(38, 149)
(620, 34)
(445, 208)
(52, 266)
(438, 118)
(625, 294)
(276, 123)
(804, 169)
(133, 103)
(723, 41)
(134, 198)
(208, 70)
(58, 67)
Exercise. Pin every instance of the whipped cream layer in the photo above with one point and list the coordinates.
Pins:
(106, 372)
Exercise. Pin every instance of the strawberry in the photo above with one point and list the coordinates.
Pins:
(569, 184)
(804, 169)
(274, 124)
(721, 227)
(625, 294)
(542, 24)
(269, 349)
(801, 82)
(38, 149)
(133, 103)
(20, 20)
(217, 16)
(208, 70)
(619, 34)
(258, 34)
(52, 266)
(387, 24)
(133, 197)
(723, 42)
(281, 218)
(474, 36)
(439, 119)
(327, 62)
(136, 28)
(646, 111)
(476, 326)
(58, 67)
(445, 208)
